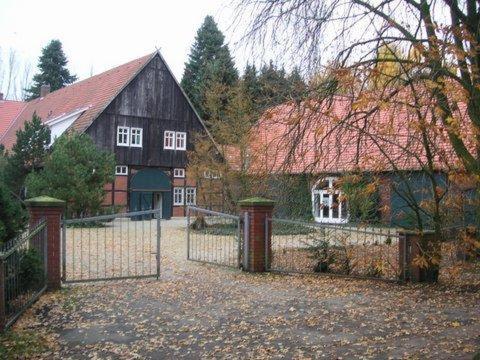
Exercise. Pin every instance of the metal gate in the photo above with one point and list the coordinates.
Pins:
(108, 247)
(213, 237)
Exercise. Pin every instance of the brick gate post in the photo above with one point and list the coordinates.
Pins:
(257, 239)
(51, 209)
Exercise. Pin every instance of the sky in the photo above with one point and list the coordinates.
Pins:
(100, 34)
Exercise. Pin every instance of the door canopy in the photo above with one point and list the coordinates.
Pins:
(150, 180)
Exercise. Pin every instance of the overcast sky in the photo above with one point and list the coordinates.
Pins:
(100, 34)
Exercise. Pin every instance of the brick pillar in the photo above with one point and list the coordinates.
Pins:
(51, 209)
(408, 249)
(257, 241)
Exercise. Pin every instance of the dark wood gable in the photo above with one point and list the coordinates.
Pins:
(154, 102)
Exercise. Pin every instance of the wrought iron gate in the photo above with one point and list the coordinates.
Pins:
(108, 247)
(213, 237)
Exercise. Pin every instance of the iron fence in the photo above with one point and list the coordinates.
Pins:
(355, 251)
(23, 273)
(213, 237)
(107, 247)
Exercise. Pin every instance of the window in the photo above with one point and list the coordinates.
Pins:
(190, 196)
(177, 196)
(121, 170)
(179, 173)
(175, 140)
(137, 135)
(327, 202)
(211, 174)
(180, 141)
(123, 136)
(168, 140)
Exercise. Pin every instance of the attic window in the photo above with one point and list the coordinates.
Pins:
(137, 134)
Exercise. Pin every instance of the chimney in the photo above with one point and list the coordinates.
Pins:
(44, 90)
(1, 96)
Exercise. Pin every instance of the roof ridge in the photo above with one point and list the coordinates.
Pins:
(80, 82)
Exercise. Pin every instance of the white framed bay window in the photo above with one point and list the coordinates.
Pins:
(178, 196)
(328, 205)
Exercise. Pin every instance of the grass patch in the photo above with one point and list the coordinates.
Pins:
(278, 229)
(21, 344)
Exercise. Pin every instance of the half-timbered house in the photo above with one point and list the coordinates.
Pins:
(140, 113)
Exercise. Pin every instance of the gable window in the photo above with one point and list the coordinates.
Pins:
(137, 137)
(190, 196)
(123, 133)
(177, 196)
(180, 141)
(175, 140)
(178, 173)
(327, 203)
(121, 170)
(169, 140)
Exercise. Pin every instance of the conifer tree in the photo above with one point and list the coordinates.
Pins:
(27, 154)
(53, 71)
(209, 61)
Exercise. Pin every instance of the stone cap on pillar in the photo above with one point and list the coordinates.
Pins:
(256, 201)
(45, 201)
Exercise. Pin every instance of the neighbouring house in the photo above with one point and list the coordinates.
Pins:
(140, 113)
(308, 141)
(9, 109)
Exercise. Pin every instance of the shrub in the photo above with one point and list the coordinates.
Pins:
(12, 215)
(32, 272)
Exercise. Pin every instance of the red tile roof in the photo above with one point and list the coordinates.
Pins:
(94, 94)
(8, 112)
(311, 138)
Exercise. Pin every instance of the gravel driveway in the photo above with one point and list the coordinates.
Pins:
(205, 311)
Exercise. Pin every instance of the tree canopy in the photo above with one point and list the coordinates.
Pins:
(209, 61)
(75, 171)
(53, 70)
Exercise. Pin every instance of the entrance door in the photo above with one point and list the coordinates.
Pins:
(158, 203)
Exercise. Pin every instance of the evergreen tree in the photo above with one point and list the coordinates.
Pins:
(75, 171)
(251, 84)
(12, 216)
(209, 61)
(297, 86)
(28, 153)
(53, 71)
(274, 86)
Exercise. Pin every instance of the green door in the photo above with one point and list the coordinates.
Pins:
(144, 184)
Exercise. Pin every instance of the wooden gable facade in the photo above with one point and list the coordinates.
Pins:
(146, 178)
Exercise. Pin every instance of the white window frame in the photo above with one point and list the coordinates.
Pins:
(169, 140)
(182, 138)
(121, 170)
(179, 173)
(178, 196)
(136, 133)
(328, 193)
(190, 196)
(209, 174)
(120, 130)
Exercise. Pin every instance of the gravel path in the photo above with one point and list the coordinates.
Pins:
(204, 311)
